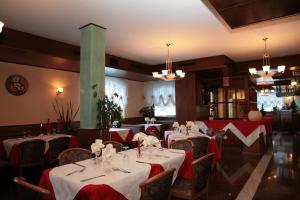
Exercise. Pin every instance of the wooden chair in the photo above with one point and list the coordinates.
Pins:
(118, 146)
(182, 144)
(200, 146)
(73, 155)
(198, 186)
(27, 190)
(157, 187)
(31, 154)
(56, 146)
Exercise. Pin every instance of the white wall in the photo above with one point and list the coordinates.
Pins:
(35, 106)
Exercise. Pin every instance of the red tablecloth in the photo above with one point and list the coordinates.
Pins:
(150, 129)
(114, 136)
(245, 127)
(14, 156)
(105, 192)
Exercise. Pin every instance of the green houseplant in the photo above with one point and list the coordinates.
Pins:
(66, 114)
(147, 111)
(107, 111)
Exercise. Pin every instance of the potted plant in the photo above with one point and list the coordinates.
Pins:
(147, 111)
(66, 114)
(107, 112)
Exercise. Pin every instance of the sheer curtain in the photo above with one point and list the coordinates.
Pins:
(119, 86)
(162, 95)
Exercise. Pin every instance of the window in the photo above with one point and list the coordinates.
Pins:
(119, 86)
(227, 103)
(162, 95)
(269, 102)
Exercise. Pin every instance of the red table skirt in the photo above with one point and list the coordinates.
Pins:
(14, 157)
(150, 129)
(105, 192)
(114, 136)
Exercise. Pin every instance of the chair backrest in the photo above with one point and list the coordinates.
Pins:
(182, 144)
(118, 146)
(201, 172)
(58, 145)
(200, 146)
(32, 152)
(158, 186)
(27, 190)
(73, 155)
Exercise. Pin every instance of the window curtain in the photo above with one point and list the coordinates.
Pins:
(119, 86)
(162, 95)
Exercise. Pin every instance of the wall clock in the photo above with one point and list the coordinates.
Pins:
(16, 85)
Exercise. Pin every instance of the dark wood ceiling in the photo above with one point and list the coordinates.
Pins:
(238, 13)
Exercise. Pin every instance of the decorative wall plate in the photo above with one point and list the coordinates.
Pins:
(16, 85)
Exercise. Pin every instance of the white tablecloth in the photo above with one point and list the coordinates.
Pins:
(158, 126)
(9, 143)
(172, 135)
(66, 187)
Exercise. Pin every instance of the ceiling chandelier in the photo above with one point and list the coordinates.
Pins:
(1, 26)
(266, 71)
(168, 74)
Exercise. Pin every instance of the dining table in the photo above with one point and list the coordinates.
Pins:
(12, 151)
(246, 131)
(213, 147)
(117, 178)
(121, 134)
(149, 127)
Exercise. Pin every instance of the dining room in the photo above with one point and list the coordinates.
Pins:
(128, 100)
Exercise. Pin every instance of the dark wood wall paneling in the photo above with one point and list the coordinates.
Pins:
(237, 13)
(23, 48)
(186, 101)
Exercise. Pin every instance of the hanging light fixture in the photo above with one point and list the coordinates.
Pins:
(266, 67)
(167, 74)
(1, 26)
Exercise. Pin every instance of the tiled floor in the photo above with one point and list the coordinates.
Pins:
(281, 180)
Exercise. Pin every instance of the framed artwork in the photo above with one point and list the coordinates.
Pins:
(16, 85)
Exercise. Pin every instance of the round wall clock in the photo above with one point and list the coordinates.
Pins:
(16, 85)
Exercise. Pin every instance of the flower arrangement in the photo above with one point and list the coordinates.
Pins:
(116, 124)
(108, 152)
(175, 125)
(147, 119)
(139, 136)
(97, 146)
(151, 141)
(153, 120)
(182, 128)
(190, 124)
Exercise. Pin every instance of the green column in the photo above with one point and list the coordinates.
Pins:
(92, 65)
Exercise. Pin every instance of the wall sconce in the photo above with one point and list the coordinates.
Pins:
(59, 91)
(1, 26)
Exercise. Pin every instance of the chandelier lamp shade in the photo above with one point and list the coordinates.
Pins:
(168, 74)
(1, 26)
(266, 65)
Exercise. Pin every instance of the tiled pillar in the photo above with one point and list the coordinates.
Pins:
(92, 65)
